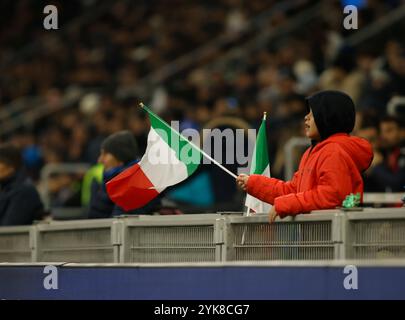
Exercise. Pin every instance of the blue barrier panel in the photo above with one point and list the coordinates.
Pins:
(205, 283)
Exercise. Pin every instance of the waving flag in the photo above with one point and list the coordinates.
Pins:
(260, 165)
(169, 159)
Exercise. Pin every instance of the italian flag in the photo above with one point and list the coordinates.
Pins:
(260, 165)
(169, 159)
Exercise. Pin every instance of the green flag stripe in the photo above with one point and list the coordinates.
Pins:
(185, 151)
(260, 153)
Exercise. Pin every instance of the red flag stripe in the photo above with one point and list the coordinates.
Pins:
(131, 189)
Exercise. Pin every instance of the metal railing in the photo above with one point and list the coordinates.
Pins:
(383, 198)
(151, 239)
(368, 234)
(375, 234)
(306, 237)
(75, 241)
(15, 244)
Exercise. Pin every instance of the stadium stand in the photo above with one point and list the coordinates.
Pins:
(65, 91)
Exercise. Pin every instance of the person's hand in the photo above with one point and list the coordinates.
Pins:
(272, 214)
(242, 180)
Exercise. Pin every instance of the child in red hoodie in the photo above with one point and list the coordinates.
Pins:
(329, 170)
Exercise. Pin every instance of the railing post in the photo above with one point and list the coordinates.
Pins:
(117, 229)
(219, 228)
(34, 243)
(228, 251)
(126, 243)
(338, 235)
(346, 252)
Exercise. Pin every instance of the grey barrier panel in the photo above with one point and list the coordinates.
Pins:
(382, 198)
(15, 244)
(370, 233)
(185, 238)
(306, 237)
(76, 241)
(375, 234)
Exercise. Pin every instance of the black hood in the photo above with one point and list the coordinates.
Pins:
(333, 112)
(121, 145)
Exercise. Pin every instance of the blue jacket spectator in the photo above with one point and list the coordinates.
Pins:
(118, 152)
(20, 203)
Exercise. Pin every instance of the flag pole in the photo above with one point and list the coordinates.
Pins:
(248, 208)
(202, 152)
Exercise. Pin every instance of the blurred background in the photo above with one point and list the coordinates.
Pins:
(207, 64)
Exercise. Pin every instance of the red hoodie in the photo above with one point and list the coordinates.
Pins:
(327, 173)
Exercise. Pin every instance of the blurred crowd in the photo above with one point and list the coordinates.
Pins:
(112, 54)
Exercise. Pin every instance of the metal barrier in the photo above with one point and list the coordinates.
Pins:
(370, 233)
(375, 234)
(383, 198)
(193, 238)
(305, 237)
(76, 241)
(15, 244)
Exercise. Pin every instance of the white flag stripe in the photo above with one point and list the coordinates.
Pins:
(160, 163)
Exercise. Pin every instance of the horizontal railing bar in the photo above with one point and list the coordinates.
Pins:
(78, 248)
(274, 263)
(76, 224)
(180, 223)
(169, 248)
(376, 244)
(286, 246)
(371, 214)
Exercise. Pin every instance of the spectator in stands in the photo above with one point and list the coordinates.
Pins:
(118, 152)
(20, 203)
(368, 129)
(388, 167)
(329, 170)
